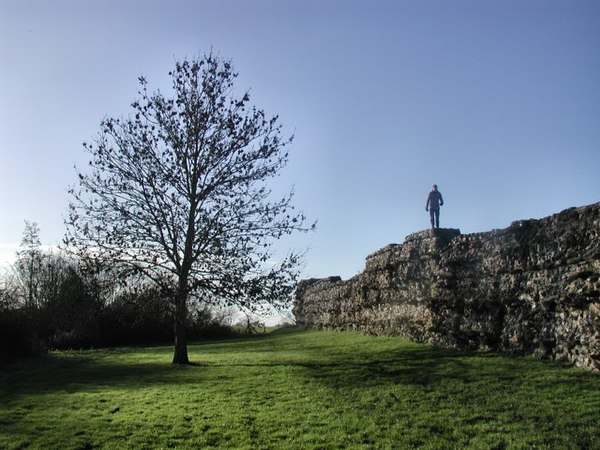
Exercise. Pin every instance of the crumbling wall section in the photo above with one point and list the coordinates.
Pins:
(532, 288)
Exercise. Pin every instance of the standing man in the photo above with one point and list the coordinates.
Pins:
(434, 201)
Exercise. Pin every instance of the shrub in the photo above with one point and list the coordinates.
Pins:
(18, 335)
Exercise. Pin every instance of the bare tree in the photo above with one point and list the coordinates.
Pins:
(29, 265)
(177, 191)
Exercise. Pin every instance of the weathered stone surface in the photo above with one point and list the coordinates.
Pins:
(532, 288)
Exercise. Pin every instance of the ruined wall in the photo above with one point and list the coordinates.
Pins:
(532, 288)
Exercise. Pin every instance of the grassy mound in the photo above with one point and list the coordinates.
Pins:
(297, 389)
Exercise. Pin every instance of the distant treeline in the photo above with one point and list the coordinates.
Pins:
(50, 301)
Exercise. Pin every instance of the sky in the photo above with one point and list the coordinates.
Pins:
(496, 102)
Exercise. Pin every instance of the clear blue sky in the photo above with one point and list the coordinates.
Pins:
(498, 102)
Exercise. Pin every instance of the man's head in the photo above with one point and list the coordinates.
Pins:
(435, 187)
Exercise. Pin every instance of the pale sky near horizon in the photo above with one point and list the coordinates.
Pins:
(498, 102)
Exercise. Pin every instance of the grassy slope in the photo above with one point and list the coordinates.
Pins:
(292, 389)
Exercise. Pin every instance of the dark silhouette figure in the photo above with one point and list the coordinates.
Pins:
(434, 201)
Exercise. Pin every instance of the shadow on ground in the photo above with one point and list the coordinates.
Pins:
(343, 367)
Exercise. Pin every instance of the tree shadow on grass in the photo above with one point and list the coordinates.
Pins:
(419, 365)
(76, 373)
(426, 366)
(409, 366)
(101, 369)
(422, 366)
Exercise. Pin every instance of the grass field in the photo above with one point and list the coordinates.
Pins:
(297, 390)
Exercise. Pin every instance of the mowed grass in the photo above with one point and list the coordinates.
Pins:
(294, 389)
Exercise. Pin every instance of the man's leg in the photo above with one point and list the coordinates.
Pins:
(432, 217)
(437, 218)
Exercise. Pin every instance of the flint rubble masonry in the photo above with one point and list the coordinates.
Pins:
(532, 288)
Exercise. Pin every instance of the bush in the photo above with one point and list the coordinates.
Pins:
(75, 310)
(18, 335)
(135, 318)
(205, 323)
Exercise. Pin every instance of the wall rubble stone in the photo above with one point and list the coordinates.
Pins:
(532, 288)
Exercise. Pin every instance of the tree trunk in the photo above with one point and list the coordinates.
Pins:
(181, 354)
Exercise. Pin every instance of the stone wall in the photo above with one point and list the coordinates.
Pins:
(532, 288)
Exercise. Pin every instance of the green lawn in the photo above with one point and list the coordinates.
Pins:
(297, 389)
